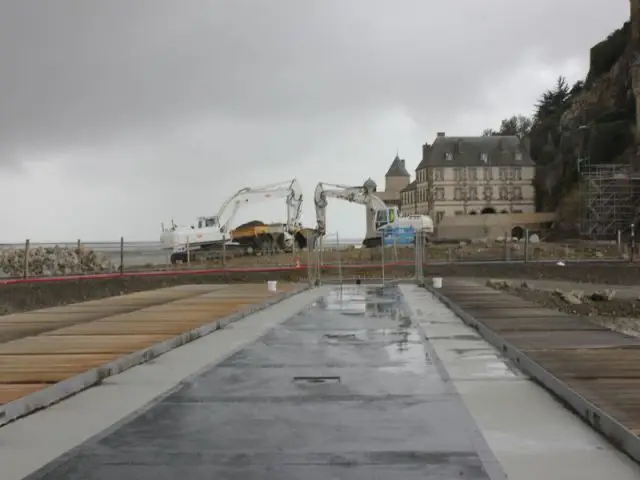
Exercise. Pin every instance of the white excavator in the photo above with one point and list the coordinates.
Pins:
(384, 223)
(213, 232)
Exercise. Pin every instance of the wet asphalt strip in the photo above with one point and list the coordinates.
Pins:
(347, 389)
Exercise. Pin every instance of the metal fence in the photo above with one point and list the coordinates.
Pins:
(331, 258)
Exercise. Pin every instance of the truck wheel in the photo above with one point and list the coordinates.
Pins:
(178, 257)
(372, 242)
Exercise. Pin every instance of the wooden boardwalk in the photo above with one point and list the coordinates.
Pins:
(601, 366)
(44, 347)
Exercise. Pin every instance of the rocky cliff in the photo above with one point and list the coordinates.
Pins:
(595, 123)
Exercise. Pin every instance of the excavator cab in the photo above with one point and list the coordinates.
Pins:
(386, 216)
(207, 222)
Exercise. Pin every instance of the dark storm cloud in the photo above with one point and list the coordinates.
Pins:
(86, 72)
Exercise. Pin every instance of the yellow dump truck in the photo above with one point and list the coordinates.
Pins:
(256, 238)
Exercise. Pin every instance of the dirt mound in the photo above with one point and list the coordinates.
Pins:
(47, 261)
(252, 223)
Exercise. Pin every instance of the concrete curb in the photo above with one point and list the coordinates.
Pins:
(619, 435)
(66, 388)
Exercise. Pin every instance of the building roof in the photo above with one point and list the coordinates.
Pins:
(397, 168)
(468, 152)
(411, 186)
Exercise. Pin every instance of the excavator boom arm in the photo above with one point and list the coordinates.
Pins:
(361, 195)
(290, 190)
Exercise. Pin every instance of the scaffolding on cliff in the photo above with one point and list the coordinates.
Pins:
(611, 196)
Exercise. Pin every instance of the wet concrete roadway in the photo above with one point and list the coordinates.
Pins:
(343, 390)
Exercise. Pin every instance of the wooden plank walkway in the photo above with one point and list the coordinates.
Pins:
(20, 325)
(600, 365)
(51, 345)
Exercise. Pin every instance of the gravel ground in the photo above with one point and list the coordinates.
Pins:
(616, 307)
(621, 313)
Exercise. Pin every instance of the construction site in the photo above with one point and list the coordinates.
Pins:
(486, 326)
(312, 359)
(611, 201)
(293, 347)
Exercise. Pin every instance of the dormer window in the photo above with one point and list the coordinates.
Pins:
(484, 157)
(518, 156)
(448, 156)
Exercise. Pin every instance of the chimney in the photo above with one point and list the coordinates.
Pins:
(441, 134)
(425, 150)
(402, 163)
(526, 143)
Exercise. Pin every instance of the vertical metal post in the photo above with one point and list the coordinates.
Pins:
(188, 253)
(121, 255)
(416, 247)
(318, 261)
(339, 258)
(27, 245)
(293, 250)
(619, 241)
(321, 256)
(423, 249)
(382, 259)
(506, 246)
(310, 245)
(224, 249)
(633, 242)
(417, 254)
(395, 249)
(526, 245)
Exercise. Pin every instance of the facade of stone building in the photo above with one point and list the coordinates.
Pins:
(472, 176)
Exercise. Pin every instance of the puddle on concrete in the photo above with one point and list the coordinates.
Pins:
(405, 348)
(362, 300)
(412, 358)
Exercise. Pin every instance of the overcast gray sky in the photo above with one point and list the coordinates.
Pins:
(116, 115)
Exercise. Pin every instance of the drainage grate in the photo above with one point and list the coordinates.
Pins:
(316, 379)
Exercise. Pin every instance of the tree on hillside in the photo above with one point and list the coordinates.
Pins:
(553, 102)
(518, 125)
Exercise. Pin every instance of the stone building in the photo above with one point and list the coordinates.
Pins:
(472, 176)
(396, 179)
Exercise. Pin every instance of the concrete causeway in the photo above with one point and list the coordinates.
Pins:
(357, 382)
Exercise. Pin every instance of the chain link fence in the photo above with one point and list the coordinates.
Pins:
(330, 259)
